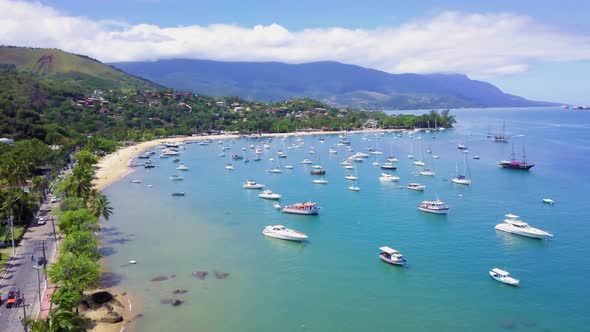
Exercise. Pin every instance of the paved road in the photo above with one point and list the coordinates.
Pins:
(21, 272)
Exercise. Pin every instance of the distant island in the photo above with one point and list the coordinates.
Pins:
(330, 82)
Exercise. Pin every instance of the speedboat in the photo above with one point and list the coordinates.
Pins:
(427, 172)
(307, 208)
(391, 256)
(320, 181)
(176, 178)
(268, 194)
(388, 165)
(252, 185)
(350, 177)
(388, 178)
(229, 167)
(513, 224)
(503, 277)
(436, 207)
(284, 233)
(548, 201)
(182, 167)
(416, 186)
(461, 179)
(305, 161)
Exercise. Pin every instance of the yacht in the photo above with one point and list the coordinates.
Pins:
(513, 224)
(252, 185)
(416, 186)
(284, 233)
(461, 179)
(436, 207)
(307, 208)
(427, 172)
(388, 165)
(229, 167)
(503, 277)
(268, 194)
(548, 201)
(388, 178)
(320, 181)
(305, 162)
(176, 178)
(391, 256)
(182, 167)
(354, 188)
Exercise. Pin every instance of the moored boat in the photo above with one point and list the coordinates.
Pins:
(284, 233)
(388, 178)
(268, 194)
(416, 186)
(512, 224)
(252, 185)
(307, 208)
(436, 207)
(503, 277)
(320, 181)
(182, 167)
(391, 256)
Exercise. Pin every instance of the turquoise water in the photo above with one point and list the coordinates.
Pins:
(335, 282)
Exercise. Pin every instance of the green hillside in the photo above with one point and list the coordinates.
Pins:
(80, 70)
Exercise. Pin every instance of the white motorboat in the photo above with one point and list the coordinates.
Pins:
(416, 186)
(268, 194)
(503, 277)
(388, 178)
(284, 233)
(305, 162)
(436, 207)
(512, 224)
(307, 208)
(252, 185)
(350, 177)
(275, 170)
(548, 201)
(391, 256)
(229, 167)
(388, 165)
(182, 167)
(176, 178)
(320, 181)
(427, 172)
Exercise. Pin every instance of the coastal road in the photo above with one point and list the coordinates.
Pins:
(22, 272)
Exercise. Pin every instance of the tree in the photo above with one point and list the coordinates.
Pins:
(85, 158)
(74, 274)
(81, 243)
(79, 184)
(77, 220)
(60, 320)
(99, 205)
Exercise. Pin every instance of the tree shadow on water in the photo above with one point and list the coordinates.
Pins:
(107, 251)
(110, 279)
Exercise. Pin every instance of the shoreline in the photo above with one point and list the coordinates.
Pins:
(113, 167)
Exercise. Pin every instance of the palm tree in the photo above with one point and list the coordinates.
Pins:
(79, 184)
(60, 320)
(99, 204)
(15, 171)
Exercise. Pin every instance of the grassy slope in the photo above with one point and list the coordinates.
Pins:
(73, 68)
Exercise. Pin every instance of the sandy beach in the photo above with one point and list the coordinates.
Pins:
(113, 167)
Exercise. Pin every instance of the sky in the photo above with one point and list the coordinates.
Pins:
(536, 49)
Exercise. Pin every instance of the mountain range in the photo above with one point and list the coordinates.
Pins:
(331, 82)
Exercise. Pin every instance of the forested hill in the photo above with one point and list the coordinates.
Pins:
(331, 82)
(76, 69)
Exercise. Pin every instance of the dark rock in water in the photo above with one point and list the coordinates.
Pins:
(176, 302)
(111, 318)
(173, 276)
(528, 323)
(101, 297)
(221, 275)
(507, 325)
(160, 278)
(200, 274)
(179, 291)
(166, 301)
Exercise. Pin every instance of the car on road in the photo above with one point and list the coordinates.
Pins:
(41, 221)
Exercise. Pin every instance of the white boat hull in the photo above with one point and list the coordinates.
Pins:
(508, 280)
(434, 211)
(506, 228)
(461, 181)
(285, 236)
(301, 212)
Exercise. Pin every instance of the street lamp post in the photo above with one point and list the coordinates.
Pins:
(38, 284)
(24, 313)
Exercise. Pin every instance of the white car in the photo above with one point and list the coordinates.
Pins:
(41, 221)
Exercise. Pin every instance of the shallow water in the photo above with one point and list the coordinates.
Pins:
(335, 281)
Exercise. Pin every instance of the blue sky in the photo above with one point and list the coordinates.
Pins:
(536, 49)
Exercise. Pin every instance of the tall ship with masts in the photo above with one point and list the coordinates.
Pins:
(502, 138)
(515, 164)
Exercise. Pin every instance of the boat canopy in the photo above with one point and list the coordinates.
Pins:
(500, 272)
(389, 250)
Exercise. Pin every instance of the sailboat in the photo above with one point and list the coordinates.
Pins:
(420, 162)
(514, 164)
(462, 179)
(354, 186)
(502, 138)
(411, 155)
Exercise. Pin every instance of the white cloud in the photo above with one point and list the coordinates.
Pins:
(481, 45)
